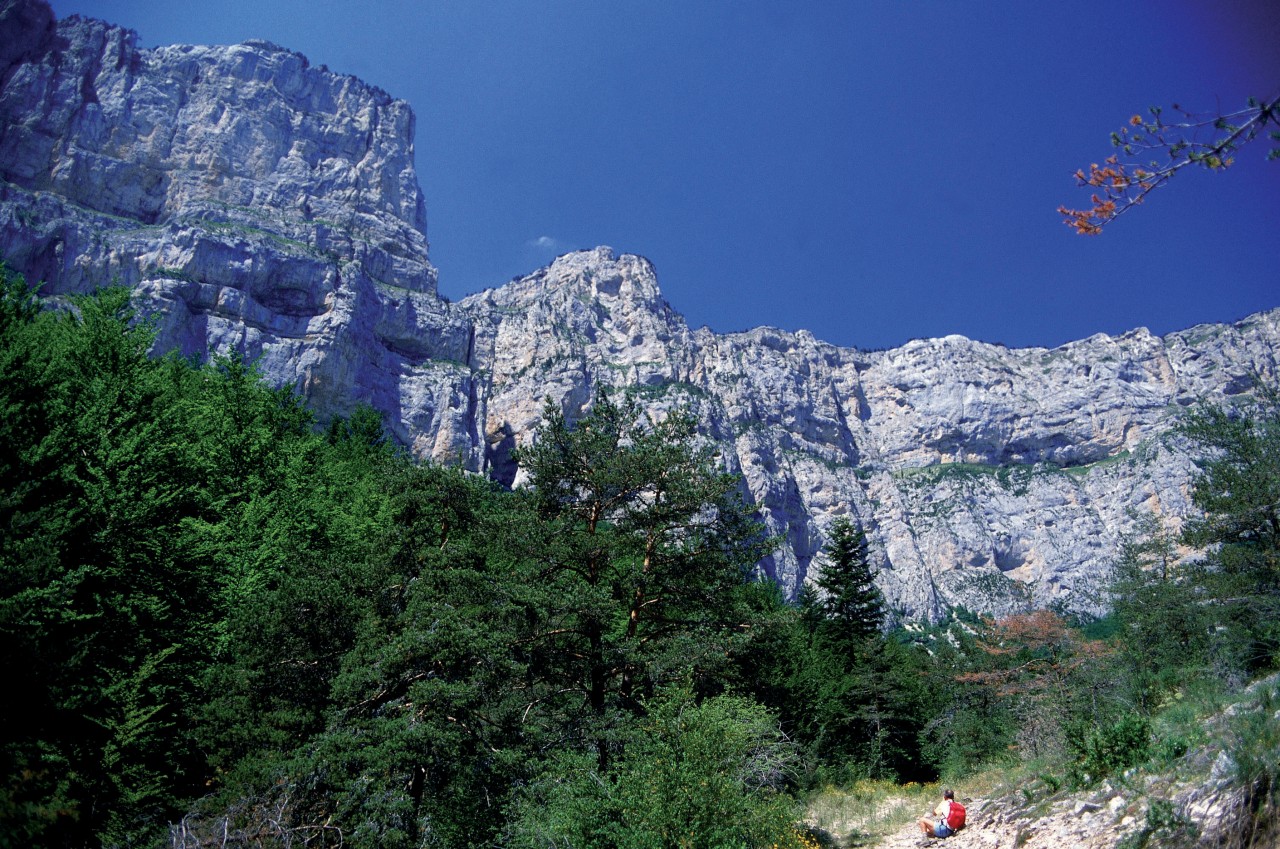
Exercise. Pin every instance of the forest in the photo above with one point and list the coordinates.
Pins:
(227, 624)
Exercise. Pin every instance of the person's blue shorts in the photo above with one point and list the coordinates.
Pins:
(942, 829)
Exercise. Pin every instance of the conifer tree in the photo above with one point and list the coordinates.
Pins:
(651, 547)
(1238, 489)
(852, 607)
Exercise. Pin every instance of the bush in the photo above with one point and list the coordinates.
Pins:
(695, 776)
(1166, 826)
(1255, 751)
(1110, 748)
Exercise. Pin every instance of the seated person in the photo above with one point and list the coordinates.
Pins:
(936, 825)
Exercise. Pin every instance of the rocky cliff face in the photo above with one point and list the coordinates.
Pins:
(986, 476)
(257, 204)
(252, 201)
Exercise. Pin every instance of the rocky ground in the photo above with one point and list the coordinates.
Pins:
(993, 823)
(1201, 798)
(1091, 820)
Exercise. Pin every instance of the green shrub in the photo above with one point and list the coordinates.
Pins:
(1255, 750)
(700, 776)
(1110, 749)
(1166, 826)
(1168, 749)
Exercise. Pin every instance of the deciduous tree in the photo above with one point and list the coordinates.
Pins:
(1046, 668)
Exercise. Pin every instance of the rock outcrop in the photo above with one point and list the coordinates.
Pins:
(256, 204)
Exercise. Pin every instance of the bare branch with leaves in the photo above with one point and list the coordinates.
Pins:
(1122, 181)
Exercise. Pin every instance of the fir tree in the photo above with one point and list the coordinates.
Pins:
(852, 607)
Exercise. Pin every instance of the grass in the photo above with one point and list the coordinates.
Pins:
(870, 810)
(946, 471)
(1085, 468)
(862, 814)
(995, 586)
(1202, 335)
(170, 273)
(249, 231)
(801, 455)
(1253, 744)
(660, 390)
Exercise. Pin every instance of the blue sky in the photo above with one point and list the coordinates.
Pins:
(872, 172)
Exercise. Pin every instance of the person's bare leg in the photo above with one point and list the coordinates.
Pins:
(926, 825)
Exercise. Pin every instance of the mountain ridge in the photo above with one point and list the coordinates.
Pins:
(259, 205)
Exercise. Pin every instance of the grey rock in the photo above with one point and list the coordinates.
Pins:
(1223, 770)
(258, 205)
(253, 202)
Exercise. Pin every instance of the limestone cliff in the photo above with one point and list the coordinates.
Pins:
(985, 476)
(252, 201)
(257, 204)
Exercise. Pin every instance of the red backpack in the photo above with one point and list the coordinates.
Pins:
(955, 816)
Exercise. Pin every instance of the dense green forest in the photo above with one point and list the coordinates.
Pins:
(227, 625)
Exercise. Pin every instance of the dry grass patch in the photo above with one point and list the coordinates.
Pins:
(861, 814)
(869, 811)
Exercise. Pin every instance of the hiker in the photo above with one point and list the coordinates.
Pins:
(949, 815)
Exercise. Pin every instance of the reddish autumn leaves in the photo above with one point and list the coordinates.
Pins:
(1034, 654)
(1206, 141)
(1118, 185)
(1043, 669)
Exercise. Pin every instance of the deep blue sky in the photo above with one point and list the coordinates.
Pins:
(869, 171)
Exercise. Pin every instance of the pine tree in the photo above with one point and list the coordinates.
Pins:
(651, 547)
(852, 607)
(1238, 489)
